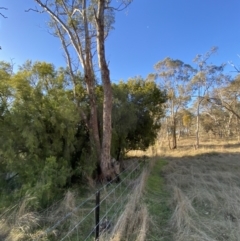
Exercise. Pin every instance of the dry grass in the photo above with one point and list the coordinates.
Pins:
(206, 196)
(133, 223)
(205, 189)
(62, 218)
(186, 147)
(18, 222)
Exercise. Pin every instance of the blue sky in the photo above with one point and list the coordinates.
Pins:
(148, 32)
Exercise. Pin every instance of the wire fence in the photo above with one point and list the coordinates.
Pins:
(95, 216)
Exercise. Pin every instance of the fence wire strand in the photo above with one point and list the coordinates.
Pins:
(107, 202)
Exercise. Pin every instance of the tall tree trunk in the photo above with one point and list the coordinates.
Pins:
(197, 126)
(90, 80)
(107, 91)
(85, 58)
(228, 124)
(93, 131)
(174, 136)
(92, 124)
(173, 126)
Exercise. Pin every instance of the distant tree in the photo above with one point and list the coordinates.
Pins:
(174, 76)
(185, 119)
(228, 96)
(214, 119)
(226, 99)
(206, 78)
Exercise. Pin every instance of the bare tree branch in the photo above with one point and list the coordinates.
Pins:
(225, 105)
(71, 71)
(64, 26)
(34, 10)
(234, 66)
(3, 8)
(122, 6)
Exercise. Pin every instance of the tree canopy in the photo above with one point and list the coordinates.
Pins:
(45, 141)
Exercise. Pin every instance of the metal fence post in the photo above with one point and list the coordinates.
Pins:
(97, 215)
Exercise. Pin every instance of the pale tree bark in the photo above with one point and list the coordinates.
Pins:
(83, 51)
(90, 80)
(228, 124)
(205, 78)
(96, 19)
(71, 73)
(173, 127)
(107, 88)
(238, 131)
(197, 126)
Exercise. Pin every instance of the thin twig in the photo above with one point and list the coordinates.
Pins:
(34, 10)
(3, 8)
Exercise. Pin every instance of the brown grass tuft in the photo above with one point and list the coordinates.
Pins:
(206, 194)
(18, 222)
(132, 224)
(205, 189)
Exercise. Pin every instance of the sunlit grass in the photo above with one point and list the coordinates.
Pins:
(157, 200)
(196, 195)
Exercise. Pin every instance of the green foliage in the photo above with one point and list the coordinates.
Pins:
(51, 181)
(174, 76)
(5, 90)
(187, 118)
(45, 145)
(137, 109)
(42, 135)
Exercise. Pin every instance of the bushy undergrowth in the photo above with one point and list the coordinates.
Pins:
(76, 211)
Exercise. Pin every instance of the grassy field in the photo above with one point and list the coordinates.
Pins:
(196, 195)
(182, 195)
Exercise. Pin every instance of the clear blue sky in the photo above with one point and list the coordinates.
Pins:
(150, 31)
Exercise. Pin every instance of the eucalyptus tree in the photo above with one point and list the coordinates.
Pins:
(174, 76)
(214, 118)
(185, 119)
(84, 26)
(205, 79)
(227, 97)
